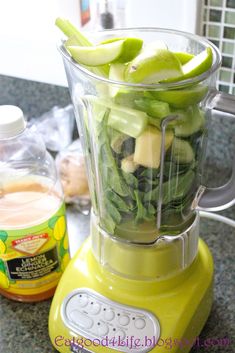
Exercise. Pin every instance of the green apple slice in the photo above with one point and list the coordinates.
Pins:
(152, 66)
(96, 55)
(131, 48)
(190, 121)
(199, 64)
(155, 45)
(194, 67)
(183, 97)
(183, 57)
(116, 73)
(182, 151)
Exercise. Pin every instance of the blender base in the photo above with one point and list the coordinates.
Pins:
(91, 304)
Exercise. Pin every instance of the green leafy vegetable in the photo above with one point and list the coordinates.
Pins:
(173, 189)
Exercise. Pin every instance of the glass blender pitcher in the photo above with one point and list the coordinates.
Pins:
(144, 272)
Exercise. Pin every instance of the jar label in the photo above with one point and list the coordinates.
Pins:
(33, 267)
(33, 259)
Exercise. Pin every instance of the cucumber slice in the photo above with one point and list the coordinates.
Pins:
(96, 55)
(191, 121)
(183, 97)
(182, 151)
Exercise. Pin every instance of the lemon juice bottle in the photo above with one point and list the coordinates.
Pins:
(33, 231)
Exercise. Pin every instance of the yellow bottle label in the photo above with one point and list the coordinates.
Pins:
(33, 259)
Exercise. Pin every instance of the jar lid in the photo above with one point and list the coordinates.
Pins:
(12, 121)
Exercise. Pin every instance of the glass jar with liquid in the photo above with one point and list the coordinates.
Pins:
(33, 231)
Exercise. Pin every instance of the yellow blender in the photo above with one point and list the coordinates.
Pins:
(143, 281)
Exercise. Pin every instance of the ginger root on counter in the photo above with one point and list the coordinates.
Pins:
(72, 171)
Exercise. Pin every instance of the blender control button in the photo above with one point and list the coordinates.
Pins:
(94, 308)
(109, 315)
(124, 320)
(82, 300)
(102, 329)
(81, 319)
(120, 335)
(140, 323)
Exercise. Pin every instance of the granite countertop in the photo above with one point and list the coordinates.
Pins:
(24, 327)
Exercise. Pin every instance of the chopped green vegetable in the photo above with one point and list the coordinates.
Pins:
(127, 98)
(129, 121)
(152, 107)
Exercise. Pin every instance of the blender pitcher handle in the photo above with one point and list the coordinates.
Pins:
(217, 199)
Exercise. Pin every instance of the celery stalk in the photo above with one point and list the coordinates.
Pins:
(71, 31)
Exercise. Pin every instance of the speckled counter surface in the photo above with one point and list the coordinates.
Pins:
(23, 327)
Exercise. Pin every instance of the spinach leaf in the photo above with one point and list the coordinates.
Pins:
(130, 179)
(178, 187)
(120, 204)
(106, 160)
(113, 212)
(108, 223)
(175, 188)
(151, 209)
(152, 195)
(141, 211)
(150, 173)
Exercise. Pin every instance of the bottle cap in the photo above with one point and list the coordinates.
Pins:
(12, 121)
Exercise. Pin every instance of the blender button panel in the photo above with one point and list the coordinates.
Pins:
(94, 308)
(120, 335)
(101, 317)
(140, 324)
(109, 315)
(82, 300)
(102, 329)
(124, 320)
(80, 319)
